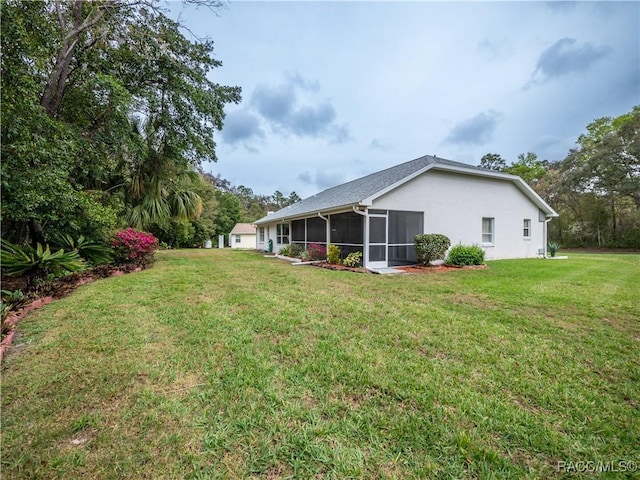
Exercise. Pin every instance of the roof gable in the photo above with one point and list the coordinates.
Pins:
(362, 191)
(243, 229)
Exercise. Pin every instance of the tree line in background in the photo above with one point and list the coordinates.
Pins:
(240, 204)
(595, 188)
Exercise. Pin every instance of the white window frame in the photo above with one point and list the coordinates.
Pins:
(526, 228)
(238, 239)
(262, 234)
(281, 237)
(489, 235)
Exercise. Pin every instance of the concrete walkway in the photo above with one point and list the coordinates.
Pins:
(387, 271)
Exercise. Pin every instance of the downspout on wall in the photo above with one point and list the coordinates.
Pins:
(328, 230)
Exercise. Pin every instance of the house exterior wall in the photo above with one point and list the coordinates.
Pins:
(261, 245)
(247, 241)
(455, 204)
(270, 233)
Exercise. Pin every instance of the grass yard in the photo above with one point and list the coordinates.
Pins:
(226, 364)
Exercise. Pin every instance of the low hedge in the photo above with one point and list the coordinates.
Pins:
(463, 255)
(431, 247)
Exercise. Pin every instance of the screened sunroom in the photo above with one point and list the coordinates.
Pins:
(384, 236)
(380, 214)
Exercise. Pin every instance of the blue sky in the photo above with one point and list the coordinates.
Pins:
(335, 90)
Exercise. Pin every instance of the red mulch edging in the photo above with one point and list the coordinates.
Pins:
(439, 268)
(332, 266)
(408, 269)
(13, 319)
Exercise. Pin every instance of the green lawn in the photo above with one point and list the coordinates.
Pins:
(226, 364)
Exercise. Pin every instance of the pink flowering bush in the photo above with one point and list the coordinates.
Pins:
(317, 251)
(135, 247)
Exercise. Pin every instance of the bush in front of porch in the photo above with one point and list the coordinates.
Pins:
(431, 247)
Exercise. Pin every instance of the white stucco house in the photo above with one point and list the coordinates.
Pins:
(381, 213)
(243, 235)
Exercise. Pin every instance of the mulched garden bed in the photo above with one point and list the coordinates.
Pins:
(330, 266)
(408, 268)
(439, 268)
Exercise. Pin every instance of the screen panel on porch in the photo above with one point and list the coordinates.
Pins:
(309, 230)
(316, 230)
(347, 232)
(297, 231)
(403, 226)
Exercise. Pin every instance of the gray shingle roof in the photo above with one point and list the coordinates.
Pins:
(355, 191)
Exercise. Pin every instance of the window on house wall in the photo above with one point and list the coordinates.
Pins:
(238, 239)
(526, 228)
(488, 230)
(262, 234)
(282, 234)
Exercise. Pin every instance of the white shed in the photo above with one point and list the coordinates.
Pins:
(243, 235)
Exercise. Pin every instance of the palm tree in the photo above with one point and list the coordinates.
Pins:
(160, 186)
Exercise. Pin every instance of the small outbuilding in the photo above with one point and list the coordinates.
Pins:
(243, 235)
(381, 213)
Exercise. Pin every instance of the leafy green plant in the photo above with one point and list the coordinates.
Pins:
(285, 251)
(11, 302)
(333, 256)
(552, 248)
(431, 247)
(4, 313)
(93, 252)
(462, 255)
(295, 250)
(353, 259)
(177, 233)
(14, 299)
(38, 263)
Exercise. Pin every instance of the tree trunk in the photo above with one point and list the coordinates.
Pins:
(614, 227)
(54, 90)
(36, 233)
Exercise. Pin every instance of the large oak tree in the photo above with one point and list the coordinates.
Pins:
(107, 111)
